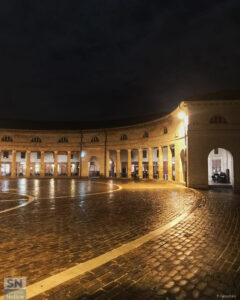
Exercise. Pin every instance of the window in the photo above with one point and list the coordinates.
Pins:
(38, 155)
(7, 139)
(145, 135)
(144, 153)
(71, 156)
(216, 151)
(5, 154)
(63, 140)
(217, 120)
(36, 140)
(165, 131)
(95, 139)
(157, 152)
(123, 137)
(23, 155)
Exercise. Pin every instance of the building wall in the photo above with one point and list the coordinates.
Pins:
(204, 136)
(197, 135)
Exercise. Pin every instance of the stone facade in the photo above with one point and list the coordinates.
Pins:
(174, 147)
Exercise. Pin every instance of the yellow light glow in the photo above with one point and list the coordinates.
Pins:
(182, 131)
(181, 115)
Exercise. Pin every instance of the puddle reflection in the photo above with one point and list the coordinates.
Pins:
(22, 186)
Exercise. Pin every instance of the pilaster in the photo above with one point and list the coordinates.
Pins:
(55, 163)
(13, 165)
(118, 166)
(150, 163)
(140, 172)
(160, 163)
(107, 163)
(69, 163)
(129, 163)
(42, 164)
(28, 153)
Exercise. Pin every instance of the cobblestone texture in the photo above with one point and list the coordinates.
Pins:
(52, 234)
(199, 258)
(11, 199)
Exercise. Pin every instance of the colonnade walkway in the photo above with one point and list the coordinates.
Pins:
(164, 163)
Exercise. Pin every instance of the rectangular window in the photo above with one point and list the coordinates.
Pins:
(157, 152)
(38, 155)
(216, 151)
(216, 166)
(5, 154)
(144, 153)
(71, 156)
(23, 155)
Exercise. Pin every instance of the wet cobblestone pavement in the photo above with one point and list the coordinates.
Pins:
(199, 258)
(60, 228)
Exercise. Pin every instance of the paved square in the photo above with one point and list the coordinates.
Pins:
(71, 222)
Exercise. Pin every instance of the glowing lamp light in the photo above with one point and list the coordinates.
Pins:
(181, 115)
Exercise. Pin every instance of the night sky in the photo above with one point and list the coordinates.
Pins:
(113, 59)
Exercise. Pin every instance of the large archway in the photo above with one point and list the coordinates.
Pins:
(220, 167)
(93, 167)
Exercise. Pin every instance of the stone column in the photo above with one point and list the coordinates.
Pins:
(160, 163)
(118, 165)
(55, 163)
(129, 171)
(13, 167)
(140, 172)
(69, 163)
(42, 164)
(169, 163)
(28, 153)
(150, 164)
(177, 163)
(107, 163)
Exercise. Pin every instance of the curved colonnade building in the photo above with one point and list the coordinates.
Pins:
(195, 145)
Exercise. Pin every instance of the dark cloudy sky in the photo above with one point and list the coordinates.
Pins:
(87, 59)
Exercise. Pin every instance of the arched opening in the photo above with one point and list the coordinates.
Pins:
(35, 163)
(165, 162)
(6, 163)
(134, 164)
(93, 167)
(124, 162)
(48, 163)
(112, 163)
(62, 161)
(75, 163)
(155, 155)
(183, 174)
(220, 167)
(21, 163)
